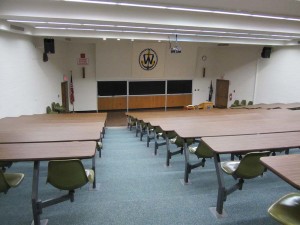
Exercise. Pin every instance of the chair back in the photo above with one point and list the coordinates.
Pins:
(243, 102)
(48, 109)
(250, 103)
(53, 106)
(203, 151)
(250, 166)
(66, 174)
(236, 102)
(4, 186)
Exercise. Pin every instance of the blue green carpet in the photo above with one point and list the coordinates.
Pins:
(135, 187)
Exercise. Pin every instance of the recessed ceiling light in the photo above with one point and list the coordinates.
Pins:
(104, 39)
(118, 39)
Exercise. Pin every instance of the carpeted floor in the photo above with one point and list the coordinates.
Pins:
(136, 188)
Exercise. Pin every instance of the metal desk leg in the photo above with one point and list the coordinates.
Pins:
(141, 131)
(34, 196)
(155, 143)
(221, 184)
(148, 135)
(187, 162)
(36, 203)
(168, 151)
(94, 168)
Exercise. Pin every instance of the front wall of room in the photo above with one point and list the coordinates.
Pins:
(28, 84)
(119, 60)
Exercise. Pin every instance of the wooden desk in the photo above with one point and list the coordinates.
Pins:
(43, 152)
(48, 132)
(246, 143)
(287, 167)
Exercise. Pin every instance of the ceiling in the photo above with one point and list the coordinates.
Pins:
(259, 22)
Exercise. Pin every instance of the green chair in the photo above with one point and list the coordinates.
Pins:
(287, 209)
(243, 103)
(249, 167)
(235, 103)
(250, 103)
(68, 174)
(65, 175)
(58, 108)
(201, 151)
(9, 180)
(49, 110)
(53, 106)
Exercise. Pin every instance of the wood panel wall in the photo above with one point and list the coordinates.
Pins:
(112, 103)
(179, 100)
(142, 102)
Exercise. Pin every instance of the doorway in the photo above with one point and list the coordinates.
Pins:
(222, 89)
(64, 95)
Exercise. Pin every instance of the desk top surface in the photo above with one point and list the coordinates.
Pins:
(256, 142)
(47, 151)
(51, 128)
(287, 167)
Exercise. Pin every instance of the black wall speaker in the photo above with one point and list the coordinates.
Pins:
(49, 45)
(45, 57)
(266, 52)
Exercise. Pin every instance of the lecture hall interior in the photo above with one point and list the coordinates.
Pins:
(149, 112)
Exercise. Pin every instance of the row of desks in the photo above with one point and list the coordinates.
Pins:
(48, 137)
(233, 131)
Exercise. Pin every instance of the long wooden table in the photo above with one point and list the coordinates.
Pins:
(38, 135)
(287, 167)
(248, 143)
(238, 132)
(43, 152)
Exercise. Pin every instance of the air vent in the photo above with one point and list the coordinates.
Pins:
(14, 27)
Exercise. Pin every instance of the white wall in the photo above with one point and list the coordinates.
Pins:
(234, 63)
(85, 89)
(27, 84)
(278, 77)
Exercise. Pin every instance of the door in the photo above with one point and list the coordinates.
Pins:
(222, 88)
(64, 95)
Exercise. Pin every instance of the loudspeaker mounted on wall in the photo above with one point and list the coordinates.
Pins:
(49, 45)
(45, 57)
(266, 52)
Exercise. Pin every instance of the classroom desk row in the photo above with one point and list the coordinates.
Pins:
(228, 132)
(49, 137)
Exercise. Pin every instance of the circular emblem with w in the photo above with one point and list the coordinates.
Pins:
(148, 59)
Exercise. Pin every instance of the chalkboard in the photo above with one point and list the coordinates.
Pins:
(179, 86)
(146, 87)
(112, 88)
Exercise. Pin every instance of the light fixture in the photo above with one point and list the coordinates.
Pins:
(177, 8)
(104, 39)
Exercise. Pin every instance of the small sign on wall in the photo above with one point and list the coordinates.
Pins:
(82, 61)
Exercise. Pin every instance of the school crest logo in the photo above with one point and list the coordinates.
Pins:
(148, 59)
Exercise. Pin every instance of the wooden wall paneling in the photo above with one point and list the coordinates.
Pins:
(146, 101)
(179, 100)
(112, 103)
